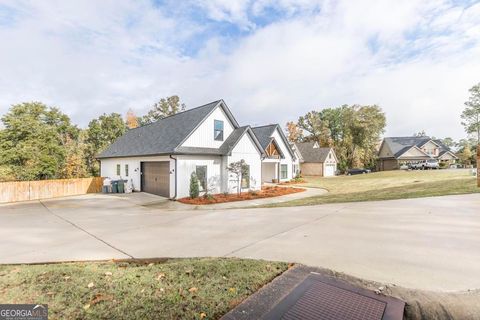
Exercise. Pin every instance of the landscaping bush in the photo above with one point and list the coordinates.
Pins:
(443, 165)
(194, 188)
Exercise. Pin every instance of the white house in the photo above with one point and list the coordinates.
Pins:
(159, 158)
(277, 164)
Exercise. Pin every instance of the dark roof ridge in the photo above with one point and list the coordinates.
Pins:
(176, 114)
(266, 125)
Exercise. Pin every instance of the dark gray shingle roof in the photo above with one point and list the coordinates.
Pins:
(264, 134)
(160, 137)
(311, 154)
(399, 145)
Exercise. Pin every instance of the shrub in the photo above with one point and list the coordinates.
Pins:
(253, 192)
(443, 165)
(194, 188)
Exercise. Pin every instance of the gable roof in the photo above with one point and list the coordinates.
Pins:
(264, 136)
(237, 134)
(400, 145)
(311, 154)
(164, 136)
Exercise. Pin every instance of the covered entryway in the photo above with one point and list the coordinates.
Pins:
(329, 170)
(269, 171)
(155, 178)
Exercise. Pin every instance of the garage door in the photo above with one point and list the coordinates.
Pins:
(329, 170)
(156, 178)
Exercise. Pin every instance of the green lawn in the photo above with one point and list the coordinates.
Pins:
(173, 289)
(388, 185)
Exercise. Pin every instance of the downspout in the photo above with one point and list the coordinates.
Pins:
(175, 196)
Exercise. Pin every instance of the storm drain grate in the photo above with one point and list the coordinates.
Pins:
(323, 298)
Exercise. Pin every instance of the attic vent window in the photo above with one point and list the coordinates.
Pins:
(315, 145)
(218, 130)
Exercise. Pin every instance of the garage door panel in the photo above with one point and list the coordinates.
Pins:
(329, 170)
(156, 178)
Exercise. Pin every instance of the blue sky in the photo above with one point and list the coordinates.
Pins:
(271, 61)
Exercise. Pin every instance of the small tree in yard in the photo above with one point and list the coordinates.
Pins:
(194, 188)
(237, 168)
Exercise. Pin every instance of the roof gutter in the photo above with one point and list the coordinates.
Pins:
(175, 196)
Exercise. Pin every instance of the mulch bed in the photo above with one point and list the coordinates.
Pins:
(266, 192)
(293, 182)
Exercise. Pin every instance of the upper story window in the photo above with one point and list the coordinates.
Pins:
(218, 130)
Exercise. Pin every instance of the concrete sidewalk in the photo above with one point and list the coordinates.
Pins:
(427, 243)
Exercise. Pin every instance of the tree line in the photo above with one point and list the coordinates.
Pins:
(355, 131)
(40, 142)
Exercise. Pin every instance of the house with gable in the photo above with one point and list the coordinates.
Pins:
(397, 151)
(159, 158)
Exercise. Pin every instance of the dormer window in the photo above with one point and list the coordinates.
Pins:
(315, 145)
(218, 130)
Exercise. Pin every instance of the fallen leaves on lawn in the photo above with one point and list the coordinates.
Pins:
(232, 290)
(160, 276)
(91, 285)
(66, 277)
(87, 306)
(100, 297)
(193, 290)
(108, 273)
(203, 315)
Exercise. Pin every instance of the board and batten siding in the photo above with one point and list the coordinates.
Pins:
(187, 164)
(108, 168)
(203, 136)
(246, 150)
(288, 160)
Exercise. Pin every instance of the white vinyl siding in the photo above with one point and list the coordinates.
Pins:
(108, 168)
(246, 150)
(288, 160)
(204, 137)
(188, 164)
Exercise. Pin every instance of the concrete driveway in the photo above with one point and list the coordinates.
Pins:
(427, 243)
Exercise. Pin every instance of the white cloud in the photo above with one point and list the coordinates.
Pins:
(416, 59)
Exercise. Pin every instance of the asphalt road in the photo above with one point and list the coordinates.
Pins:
(427, 243)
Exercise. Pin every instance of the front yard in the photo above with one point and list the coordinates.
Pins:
(172, 289)
(388, 185)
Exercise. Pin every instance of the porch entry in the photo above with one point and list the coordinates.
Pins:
(270, 171)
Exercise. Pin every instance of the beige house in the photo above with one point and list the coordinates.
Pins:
(315, 161)
(397, 151)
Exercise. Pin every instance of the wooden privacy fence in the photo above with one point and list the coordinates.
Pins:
(44, 189)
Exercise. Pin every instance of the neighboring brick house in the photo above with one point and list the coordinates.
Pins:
(397, 151)
(315, 161)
